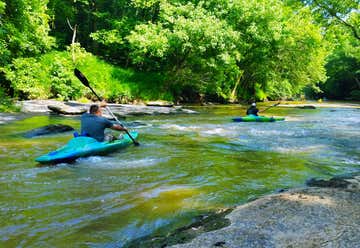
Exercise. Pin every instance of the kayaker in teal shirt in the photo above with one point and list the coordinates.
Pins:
(252, 110)
(94, 125)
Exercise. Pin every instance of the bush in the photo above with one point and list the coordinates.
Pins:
(47, 76)
(355, 95)
(51, 76)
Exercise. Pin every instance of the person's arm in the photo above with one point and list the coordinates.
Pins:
(118, 127)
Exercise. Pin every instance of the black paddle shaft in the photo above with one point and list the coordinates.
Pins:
(270, 107)
(85, 82)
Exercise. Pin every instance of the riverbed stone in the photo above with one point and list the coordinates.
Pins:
(325, 216)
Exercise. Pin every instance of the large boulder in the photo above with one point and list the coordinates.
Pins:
(47, 130)
(66, 110)
(327, 215)
(160, 104)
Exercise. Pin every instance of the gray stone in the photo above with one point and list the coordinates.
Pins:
(47, 130)
(160, 104)
(306, 107)
(308, 217)
(66, 110)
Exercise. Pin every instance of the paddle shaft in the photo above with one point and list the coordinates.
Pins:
(269, 107)
(85, 82)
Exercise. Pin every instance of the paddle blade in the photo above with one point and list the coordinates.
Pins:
(81, 77)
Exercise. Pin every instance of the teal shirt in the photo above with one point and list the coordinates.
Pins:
(94, 126)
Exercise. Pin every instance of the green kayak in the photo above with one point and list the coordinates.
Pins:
(255, 118)
(82, 147)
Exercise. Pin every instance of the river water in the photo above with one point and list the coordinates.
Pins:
(185, 165)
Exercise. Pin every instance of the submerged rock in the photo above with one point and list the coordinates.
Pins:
(6, 117)
(326, 216)
(204, 223)
(306, 107)
(47, 130)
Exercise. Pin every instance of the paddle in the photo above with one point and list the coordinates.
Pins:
(85, 82)
(269, 107)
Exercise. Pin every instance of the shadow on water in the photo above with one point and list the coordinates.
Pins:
(186, 166)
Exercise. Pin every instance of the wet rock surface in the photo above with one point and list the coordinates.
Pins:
(6, 117)
(326, 214)
(203, 223)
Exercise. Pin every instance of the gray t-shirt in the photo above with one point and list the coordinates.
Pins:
(94, 126)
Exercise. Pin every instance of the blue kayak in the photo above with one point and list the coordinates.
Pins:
(255, 118)
(83, 147)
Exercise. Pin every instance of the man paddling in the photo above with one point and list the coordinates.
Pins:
(252, 110)
(94, 125)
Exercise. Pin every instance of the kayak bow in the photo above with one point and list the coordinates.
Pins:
(83, 147)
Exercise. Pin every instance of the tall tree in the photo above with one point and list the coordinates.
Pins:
(345, 12)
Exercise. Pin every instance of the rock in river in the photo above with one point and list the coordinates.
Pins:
(327, 215)
(47, 130)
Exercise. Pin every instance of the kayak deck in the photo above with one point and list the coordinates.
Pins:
(82, 147)
(255, 118)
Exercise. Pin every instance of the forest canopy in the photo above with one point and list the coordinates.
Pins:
(187, 51)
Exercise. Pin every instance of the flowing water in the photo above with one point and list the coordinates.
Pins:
(186, 164)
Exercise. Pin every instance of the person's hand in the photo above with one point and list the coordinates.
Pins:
(103, 104)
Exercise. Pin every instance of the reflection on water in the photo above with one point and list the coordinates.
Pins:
(185, 165)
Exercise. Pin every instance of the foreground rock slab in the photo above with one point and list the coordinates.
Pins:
(324, 216)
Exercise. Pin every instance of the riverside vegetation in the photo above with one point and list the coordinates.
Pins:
(182, 51)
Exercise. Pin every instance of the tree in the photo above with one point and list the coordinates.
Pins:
(190, 45)
(345, 12)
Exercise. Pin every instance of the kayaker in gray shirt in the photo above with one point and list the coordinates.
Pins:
(94, 125)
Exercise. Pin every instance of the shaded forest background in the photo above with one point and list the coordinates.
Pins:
(184, 51)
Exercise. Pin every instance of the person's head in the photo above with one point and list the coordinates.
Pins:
(95, 109)
(253, 104)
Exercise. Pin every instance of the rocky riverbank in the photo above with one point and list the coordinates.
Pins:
(323, 214)
(48, 106)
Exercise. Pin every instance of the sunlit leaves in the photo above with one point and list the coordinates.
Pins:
(25, 27)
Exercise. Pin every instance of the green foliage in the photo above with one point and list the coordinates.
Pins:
(180, 50)
(47, 76)
(334, 12)
(24, 29)
(342, 65)
(122, 85)
(189, 44)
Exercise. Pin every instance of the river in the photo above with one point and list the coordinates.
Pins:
(186, 165)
